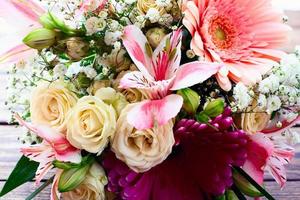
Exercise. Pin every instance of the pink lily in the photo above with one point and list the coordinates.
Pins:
(53, 147)
(27, 12)
(159, 74)
(265, 154)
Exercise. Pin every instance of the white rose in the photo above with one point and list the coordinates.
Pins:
(90, 125)
(50, 104)
(142, 149)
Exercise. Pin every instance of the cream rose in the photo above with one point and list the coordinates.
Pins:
(112, 97)
(142, 149)
(144, 5)
(92, 188)
(132, 95)
(50, 104)
(254, 119)
(90, 124)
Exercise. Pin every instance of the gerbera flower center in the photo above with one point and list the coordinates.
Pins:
(222, 32)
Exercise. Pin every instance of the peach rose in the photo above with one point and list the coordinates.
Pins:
(90, 124)
(92, 188)
(142, 149)
(132, 95)
(254, 119)
(50, 104)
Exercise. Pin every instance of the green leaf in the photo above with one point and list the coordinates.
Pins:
(23, 172)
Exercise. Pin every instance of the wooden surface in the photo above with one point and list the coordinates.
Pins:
(9, 144)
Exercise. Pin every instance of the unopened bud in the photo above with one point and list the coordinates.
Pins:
(230, 195)
(191, 100)
(71, 178)
(245, 186)
(76, 48)
(40, 38)
(214, 108)
(50, 21)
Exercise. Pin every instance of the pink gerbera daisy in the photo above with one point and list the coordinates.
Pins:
(242, 34)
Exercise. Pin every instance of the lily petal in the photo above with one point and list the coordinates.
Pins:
(135, 43)
(144, 115)
(193, 73)
(17, 53)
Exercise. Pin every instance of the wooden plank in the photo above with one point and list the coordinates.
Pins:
(25, 190)
(290, 192)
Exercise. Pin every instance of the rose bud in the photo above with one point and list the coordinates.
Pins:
(191, 100)
(155, 35)
(40, 38)
(214, 108)
(76, 48)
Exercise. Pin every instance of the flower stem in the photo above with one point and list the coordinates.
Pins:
(41, 188)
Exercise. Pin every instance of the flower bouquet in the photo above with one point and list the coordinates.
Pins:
(152, 99)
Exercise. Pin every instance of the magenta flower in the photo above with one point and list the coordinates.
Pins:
(159, 74)
(200, 165)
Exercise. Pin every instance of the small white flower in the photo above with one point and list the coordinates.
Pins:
(241, 95)
(73, 69)
(59, 70)
(274, 103)
(89, 72)
(262, 101)
(129, 2)
(163, 3)
(270, 84)
(153, 15)
(111, 37)
(94, 25)
(103, 14)
(114, 25)
(117, 45)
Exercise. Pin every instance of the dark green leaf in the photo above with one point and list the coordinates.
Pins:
(23, 172)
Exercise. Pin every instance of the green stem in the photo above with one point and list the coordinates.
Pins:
(253, 182)
(41, 188)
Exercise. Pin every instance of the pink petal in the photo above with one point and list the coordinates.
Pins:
(260, 148)
(135, 43)
(55, 194)
(29, 8)
(167, 69)
(282, 155)
(53, 141)
(144, 115)
(274, 130)
(17, 53)
(193, 73)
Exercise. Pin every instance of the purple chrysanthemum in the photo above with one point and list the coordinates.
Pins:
(200, 165)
